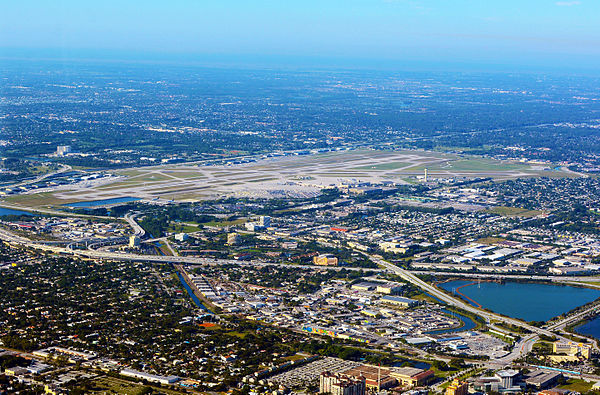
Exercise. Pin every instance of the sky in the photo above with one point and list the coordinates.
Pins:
(370, 33)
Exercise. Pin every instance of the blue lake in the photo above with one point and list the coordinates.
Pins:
(8, 211)
(526, 301)
(590, 328)
(103, 202)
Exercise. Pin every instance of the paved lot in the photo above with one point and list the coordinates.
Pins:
(309, 374)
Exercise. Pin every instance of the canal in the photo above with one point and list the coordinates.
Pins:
(197, 301)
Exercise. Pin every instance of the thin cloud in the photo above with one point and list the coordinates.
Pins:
(567, 3)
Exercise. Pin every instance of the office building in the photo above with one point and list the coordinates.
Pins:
(325, 260)
(399, 301)
(134, 241)
(457, 388)
(181, 236)
(412, 377)
(507, 377)
(337, 384)
(233, 239)
(63, 150)
(571, 348)
(264, 221)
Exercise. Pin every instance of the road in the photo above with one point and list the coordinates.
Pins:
(123, 256)
(521, 348)
(434, 291)
(560, 325)
(137, 229)
(506, 276)
(63, 169)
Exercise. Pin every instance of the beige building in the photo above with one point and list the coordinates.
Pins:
(325, 260)
(457, 388)
(399, 301)
(134, 241)
(233, 239)
(393, 247)
(411, 377)
(390, 288)
(572, 349)
(337, 384)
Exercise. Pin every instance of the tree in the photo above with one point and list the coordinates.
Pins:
(457, 363)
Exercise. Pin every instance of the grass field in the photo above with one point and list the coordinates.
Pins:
(543, 346)
(238, 221)
(491, 240)
(45, 199)
(181, 228)
(385, 166)
(514, 212)
(112, 385)
(577, 385)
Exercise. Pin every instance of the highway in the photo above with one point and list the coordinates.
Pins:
(63, 169)
(123, 256)
(434, 291)
(507, 276)
(137, 229)
(521, 348)
(560, 325)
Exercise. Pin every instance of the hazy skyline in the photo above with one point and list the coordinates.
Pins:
(350, 32)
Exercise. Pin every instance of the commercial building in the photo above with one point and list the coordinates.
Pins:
(412, 377)
(337, 384)
(74, 355)
(181, 236)
(571, 348)
(149, 377)
(134, 241)
(364, 286)
(233, 239)
(458, 388)
(390, 288)
(264, 221)
(540, 379)
(399, 301)
(63, 150)
(15, 371)
(38, 367)
(325, 260)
